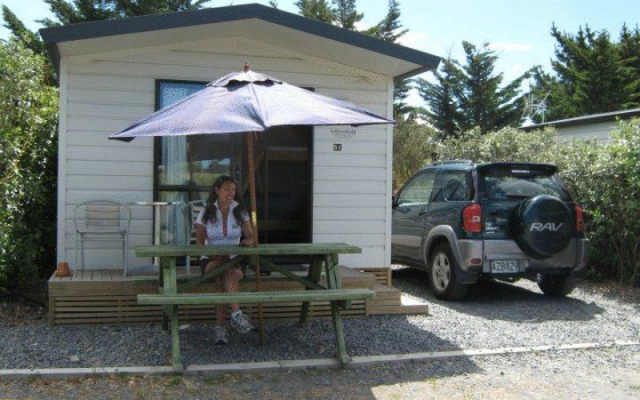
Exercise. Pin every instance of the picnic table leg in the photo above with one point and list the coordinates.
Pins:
(170, 287)
(161, 280)
(315, 270)
(331, 266)
(344, 304)
(175, 340)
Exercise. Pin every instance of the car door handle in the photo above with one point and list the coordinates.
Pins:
(422, 212)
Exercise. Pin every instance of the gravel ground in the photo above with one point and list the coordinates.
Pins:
(493, 315)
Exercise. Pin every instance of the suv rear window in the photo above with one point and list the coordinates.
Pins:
(520, 183)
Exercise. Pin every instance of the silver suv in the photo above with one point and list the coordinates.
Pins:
(460, 221)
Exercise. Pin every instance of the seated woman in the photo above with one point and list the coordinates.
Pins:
(223, 222)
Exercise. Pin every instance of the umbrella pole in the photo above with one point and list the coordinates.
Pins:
(254, 220)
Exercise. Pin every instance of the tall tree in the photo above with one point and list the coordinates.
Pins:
(319, 10)
(345, 13)
(592, 74)
(472, 95)
(443, 112)
(390, 28)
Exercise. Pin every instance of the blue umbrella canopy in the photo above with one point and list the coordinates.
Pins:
(248, 101)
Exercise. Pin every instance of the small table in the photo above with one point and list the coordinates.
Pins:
(157, 210)
(171, 294)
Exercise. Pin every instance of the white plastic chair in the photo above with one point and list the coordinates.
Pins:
(102, 220)
(191, 211)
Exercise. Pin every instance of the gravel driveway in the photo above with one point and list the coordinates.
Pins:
(493, 315)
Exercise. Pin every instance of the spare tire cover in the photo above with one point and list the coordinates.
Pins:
(542, 226)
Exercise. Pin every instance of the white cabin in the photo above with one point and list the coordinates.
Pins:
(113, 73)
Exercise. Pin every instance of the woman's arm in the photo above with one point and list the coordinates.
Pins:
(247, 231)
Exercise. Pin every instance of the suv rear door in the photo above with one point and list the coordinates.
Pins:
(410, 209)
(503, 186)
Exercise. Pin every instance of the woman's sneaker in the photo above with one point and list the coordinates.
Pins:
(241, 323)
(220, 335)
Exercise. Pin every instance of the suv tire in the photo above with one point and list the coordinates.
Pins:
(556, 285)
(542, 226)
(442, 274)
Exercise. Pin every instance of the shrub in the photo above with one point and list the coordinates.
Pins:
(604, 179)
(414, 145)
(28, 151)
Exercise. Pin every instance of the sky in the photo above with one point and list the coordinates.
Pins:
(518, 30)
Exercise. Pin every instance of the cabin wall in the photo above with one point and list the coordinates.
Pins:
(103, 93)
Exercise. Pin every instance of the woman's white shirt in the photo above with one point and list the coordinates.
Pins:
(215, 234)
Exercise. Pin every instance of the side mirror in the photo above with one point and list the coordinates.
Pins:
(394, 202)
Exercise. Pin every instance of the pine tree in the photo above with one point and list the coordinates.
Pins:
(443, 113)
(472, 95)
(592, 73)
(20, 32)
(319, 10)
(390, 28)
(346, 14)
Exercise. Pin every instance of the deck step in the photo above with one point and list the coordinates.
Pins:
(406, 305)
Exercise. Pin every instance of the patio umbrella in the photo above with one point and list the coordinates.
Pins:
(248, 102)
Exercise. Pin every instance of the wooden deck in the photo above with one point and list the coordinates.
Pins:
(107, 297)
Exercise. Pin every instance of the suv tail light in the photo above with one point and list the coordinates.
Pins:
(579, 219)
(472, 218)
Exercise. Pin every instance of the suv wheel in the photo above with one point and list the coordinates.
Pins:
(442, 274)
(556, 285)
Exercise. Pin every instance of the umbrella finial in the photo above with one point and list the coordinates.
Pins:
(246, 67)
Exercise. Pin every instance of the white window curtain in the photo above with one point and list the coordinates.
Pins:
(174, 159)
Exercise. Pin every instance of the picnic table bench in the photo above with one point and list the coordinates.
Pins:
(171, 294)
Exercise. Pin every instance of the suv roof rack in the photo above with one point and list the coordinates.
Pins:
(445, 162)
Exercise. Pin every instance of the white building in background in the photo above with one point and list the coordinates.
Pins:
(595, 126)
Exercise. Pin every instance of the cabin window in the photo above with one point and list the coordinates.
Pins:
(186, 166)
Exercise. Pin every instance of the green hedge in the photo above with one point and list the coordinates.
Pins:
(28, 152)
(604, 179)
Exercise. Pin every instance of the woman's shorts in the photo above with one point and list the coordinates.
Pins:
(205, 261)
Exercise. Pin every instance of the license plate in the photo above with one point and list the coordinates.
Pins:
(505, 267)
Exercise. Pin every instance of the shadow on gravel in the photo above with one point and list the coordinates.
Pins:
(500, 301)
(286, 340)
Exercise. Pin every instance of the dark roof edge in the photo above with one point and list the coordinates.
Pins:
(146, 23)
(586, 119)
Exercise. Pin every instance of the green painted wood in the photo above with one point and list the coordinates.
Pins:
(262, 250)
(169, 274)
(313, 275)
(204, 277)
(275, 268)
(346, 304)
(255, 297)
(175, 339)
(341, 347)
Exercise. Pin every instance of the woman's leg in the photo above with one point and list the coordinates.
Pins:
(231, 283)
(219, 287)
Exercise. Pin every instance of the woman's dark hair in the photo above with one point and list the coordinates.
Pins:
(210, 212)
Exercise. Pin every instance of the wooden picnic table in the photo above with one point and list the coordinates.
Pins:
(171, 294)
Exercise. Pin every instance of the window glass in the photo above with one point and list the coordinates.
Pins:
(453, 186)
(418, 190)
(190, 161)
(507, 184)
